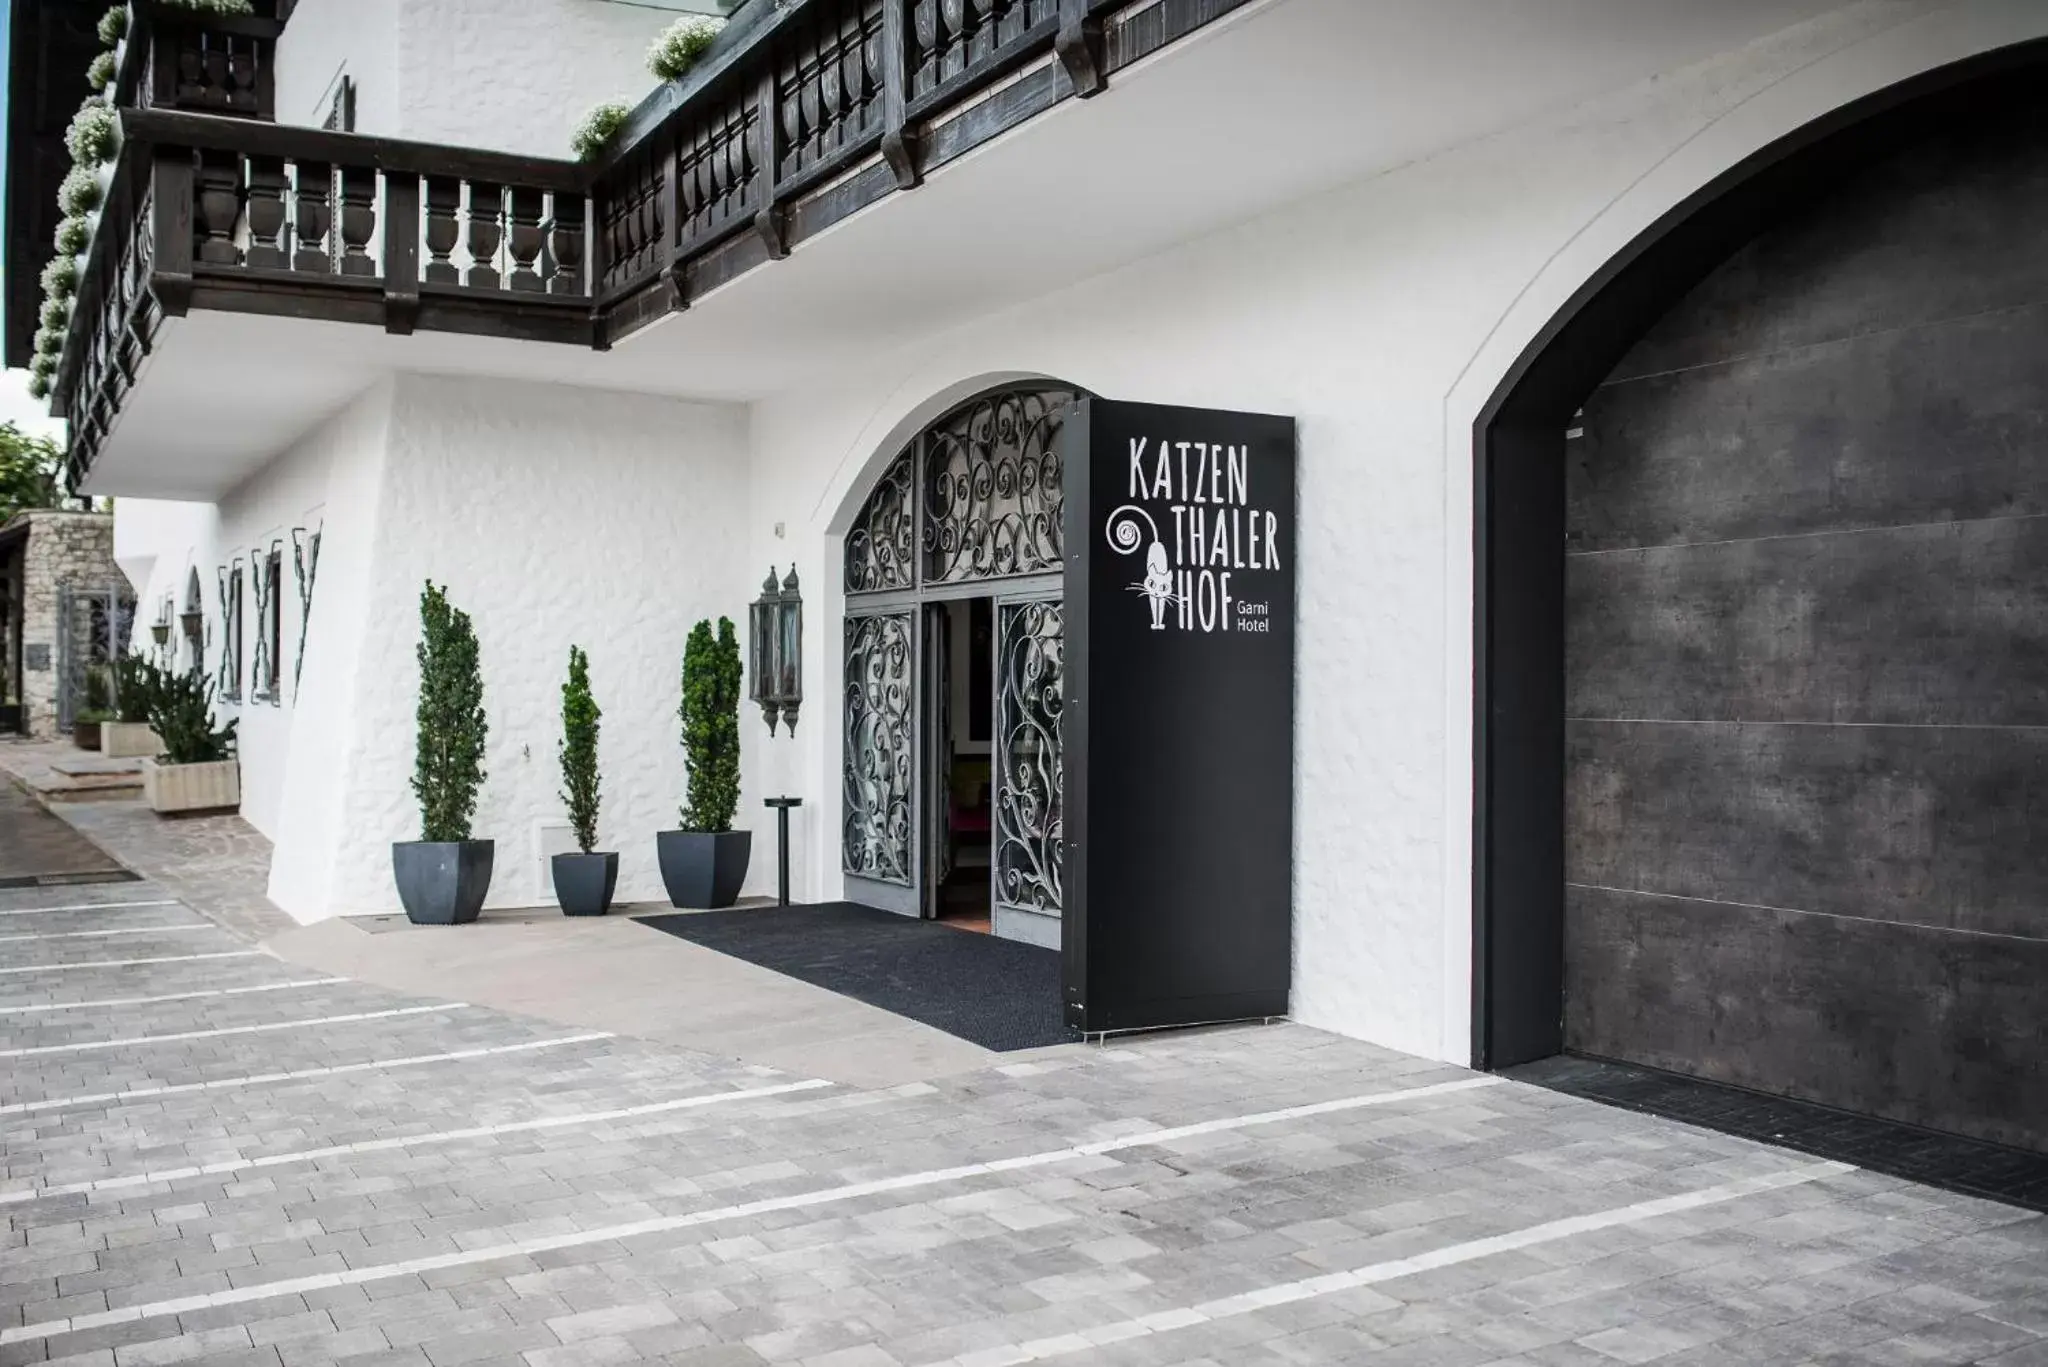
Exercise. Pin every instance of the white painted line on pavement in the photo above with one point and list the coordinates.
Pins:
(259, 1079)
(85, 906)
(133, 963)
(1245, 1303)
(170, 996)
(177, 929)
(664, 1224)
(553, 1122)
(87, 1046)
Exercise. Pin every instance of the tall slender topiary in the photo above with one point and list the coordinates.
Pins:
(711, 726)
(580, 716)
(449, 769)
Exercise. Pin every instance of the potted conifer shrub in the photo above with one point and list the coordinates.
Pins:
(705, 863)
(136, 682)
(443, 876)
(584, 882)
(197, 771)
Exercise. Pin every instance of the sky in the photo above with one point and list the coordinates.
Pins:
(31, 415)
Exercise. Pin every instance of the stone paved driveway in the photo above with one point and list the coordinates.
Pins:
(214, 1157)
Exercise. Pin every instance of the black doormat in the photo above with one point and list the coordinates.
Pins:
(1972, 1166)
(999, 994)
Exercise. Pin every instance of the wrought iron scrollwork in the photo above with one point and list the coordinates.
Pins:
(261, 689)
(305, 564)
(1030, 835)
(880, 748)
(992, 488)
(230, 678)
(881, 548)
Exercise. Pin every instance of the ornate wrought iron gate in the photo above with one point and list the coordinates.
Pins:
(971, 508)
(1030, 682)
(92, 628)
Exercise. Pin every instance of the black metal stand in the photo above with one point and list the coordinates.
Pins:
(782, 806)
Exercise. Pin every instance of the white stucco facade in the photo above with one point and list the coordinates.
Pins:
(1381, 314)
(509, 75)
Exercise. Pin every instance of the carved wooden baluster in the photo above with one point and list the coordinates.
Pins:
(953, 38)
(524, 238)
(213, 48)
(241, 75)
(831, 100)
(852, 76)
(486, 232)
(217, 205)
(871, 65)
(565, 245)
(792, 110)
(313, 216)
(924, 52)
(358, 219)
(982, 19)
(808, 101)
(267, 185)
(191, 67)
(443, 209)
(689, 191)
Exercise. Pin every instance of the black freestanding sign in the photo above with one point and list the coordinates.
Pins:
(1179, 724)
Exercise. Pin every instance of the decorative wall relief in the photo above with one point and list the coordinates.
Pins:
(305, 565)
(230, 675)
(261, 687)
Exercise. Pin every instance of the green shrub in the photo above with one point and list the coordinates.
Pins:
(449, 769)
(38, 385)
(100, 75)
(711, 726)
(79, 193)
(114, 25)
(580, 715)
(223, 7)
(681, 44)
(55, 315)
(181, 714)
(593, 137)
(49, 342)
(94, 135)
(137, 684)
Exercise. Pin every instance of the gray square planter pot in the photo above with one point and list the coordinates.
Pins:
(701, 869)
(584, 883)
(442, 882)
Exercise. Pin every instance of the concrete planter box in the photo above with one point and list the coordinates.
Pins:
(129, 740)
(174, 788)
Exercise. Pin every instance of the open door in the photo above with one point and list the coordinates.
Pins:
(1179, 716)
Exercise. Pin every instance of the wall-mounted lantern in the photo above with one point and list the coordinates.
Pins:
(160, 629)
(777, 630)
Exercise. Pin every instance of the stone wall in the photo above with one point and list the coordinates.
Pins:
(63, 547)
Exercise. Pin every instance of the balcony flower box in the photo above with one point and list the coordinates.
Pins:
(129, 740)
(185, 789)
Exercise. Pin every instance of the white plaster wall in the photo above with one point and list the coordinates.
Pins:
(328, 37)
(554, 516)
(510, 75)
(1381, 315)
(290, 492)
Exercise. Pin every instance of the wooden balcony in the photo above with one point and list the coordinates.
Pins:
(797, 118)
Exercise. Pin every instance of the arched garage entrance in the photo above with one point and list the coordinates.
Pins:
(1762, 637)
(953, 663)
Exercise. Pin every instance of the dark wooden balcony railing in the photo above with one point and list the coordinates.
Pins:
(798, 117)
(199, 63)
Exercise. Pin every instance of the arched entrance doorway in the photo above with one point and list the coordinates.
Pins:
(953, 654)
(1761, 625)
